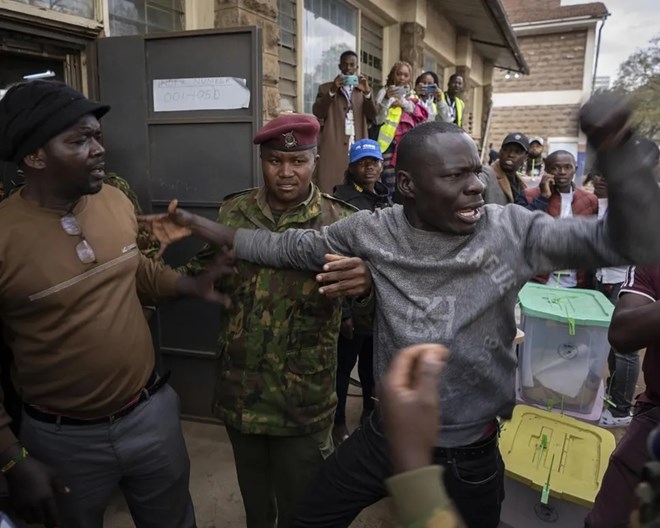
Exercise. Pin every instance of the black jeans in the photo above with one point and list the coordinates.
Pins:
(353, 477)
(360, 349)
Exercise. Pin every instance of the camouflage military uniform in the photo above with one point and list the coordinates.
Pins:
(148, 248)
(275, 386)
(277, 345)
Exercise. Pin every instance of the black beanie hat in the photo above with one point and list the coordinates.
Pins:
(33, 112)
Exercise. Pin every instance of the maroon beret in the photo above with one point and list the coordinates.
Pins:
(289, 132)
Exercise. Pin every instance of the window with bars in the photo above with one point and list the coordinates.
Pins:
(371, 59)
(287, 20)
(139, 17)
(82, 8)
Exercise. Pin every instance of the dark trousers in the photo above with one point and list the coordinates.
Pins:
(143, 454)
(273, 472)
(617, 499)
(353, 477)
(360, 349)
(624, 368)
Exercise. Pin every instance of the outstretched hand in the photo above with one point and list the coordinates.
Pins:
(409, 403)
(604, 119)
(344, 277)
(167, 228)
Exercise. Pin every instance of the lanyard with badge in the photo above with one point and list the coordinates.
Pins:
(451, 103)
(349, 127)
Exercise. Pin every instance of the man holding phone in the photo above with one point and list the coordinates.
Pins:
(344, 106)
(564, 200)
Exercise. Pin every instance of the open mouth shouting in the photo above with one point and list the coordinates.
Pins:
(470, 215)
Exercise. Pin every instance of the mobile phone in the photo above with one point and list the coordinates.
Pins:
(402, 91)
(350, 80)
(430, 89)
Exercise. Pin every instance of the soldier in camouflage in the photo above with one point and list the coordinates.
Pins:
(275, 387)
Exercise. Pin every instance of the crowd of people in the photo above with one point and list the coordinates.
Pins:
(377, 238)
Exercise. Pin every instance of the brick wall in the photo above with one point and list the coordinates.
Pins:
(543, 121)
(261, 13)
(556, 62)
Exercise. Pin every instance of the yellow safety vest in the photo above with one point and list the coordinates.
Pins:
(460, 105)
(434, 107)
(388, 128)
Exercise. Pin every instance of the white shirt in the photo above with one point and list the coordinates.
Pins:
(609, 275)
(565, 278)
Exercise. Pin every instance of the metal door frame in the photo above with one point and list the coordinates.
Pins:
(257, 102)
(142, 120)
(74, 45)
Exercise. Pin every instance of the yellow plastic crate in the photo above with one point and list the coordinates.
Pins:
(572, 460)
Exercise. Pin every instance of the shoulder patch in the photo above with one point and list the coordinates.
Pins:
(339, 201)
(239, 193)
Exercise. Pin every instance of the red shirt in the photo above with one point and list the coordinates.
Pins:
(645, 281)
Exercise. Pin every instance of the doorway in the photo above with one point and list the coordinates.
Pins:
(195, 150)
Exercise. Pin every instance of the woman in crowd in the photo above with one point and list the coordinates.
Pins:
(427, 88)
(399, 110)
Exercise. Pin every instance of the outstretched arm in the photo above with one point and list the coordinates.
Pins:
(302, 249)
(628, 234)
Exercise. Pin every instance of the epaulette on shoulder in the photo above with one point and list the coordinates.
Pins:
(239, 193)
(342, 202)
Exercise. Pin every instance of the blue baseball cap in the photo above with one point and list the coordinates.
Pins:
(365, 148)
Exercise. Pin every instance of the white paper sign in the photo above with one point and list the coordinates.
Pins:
(204, 93)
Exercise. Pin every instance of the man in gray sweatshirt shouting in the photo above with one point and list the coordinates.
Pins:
(447, 269)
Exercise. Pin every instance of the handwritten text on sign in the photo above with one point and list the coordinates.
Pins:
(205, 93)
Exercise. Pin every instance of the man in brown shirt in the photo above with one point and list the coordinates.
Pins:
(72, 285)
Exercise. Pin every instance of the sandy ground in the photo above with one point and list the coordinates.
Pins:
(214, 487)
(213, 479)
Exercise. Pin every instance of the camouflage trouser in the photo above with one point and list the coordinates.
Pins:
(273, 472)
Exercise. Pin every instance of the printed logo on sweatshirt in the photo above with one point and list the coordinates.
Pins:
(431, 318)
(386, 255)
(499, 272)
(128, 248)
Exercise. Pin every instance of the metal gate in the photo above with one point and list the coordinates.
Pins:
(178, 143)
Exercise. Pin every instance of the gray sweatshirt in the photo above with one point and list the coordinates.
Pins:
(460, 291)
